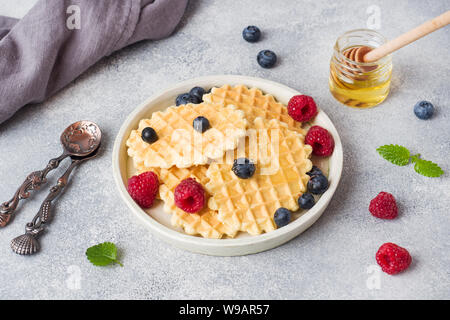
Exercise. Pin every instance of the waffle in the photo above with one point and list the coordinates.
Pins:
(249, 204)
(254, 103)
(205, 222)
(179, 144)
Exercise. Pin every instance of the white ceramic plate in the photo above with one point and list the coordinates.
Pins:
(158, 221)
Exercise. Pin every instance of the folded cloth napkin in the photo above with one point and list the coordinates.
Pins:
(59, 39)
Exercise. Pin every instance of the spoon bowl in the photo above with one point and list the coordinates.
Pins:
(81, 138)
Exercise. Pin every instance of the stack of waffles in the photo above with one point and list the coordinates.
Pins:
(244, 123)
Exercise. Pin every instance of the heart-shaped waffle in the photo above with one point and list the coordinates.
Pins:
(281, 160)
(205, 222)
(179, 144)
(254, 103)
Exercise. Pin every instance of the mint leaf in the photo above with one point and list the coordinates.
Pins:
(395, 154)
(103, 254)
(400, 156)
(426, 168)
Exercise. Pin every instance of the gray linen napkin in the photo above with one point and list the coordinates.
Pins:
(50, 46)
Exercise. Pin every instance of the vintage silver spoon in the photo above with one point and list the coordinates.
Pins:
(28, 243)
(79, 139)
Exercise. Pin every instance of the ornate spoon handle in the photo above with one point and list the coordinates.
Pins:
(32, 182)
(27, 243)
(45, 213)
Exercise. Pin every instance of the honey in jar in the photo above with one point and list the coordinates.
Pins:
(359, 84)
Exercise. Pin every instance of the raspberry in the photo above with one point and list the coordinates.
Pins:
(393, 258)
(190, 196)
(320, 140)
(383, 206)
(143, 188)
(302, 108)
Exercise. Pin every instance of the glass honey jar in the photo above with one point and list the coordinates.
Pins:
(359, 84)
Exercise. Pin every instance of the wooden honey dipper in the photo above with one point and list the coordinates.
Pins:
(366, 54)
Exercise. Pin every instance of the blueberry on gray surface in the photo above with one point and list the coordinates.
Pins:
(266, 58)
(306, 201)
(251, 34)
(197, 93)
(318, 184)
(185, 98)
(201, 124)
(314, 171)
(424, 110)
(243, 168)
(149, 135)
(282, 217)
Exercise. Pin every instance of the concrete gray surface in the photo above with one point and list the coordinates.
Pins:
(331, 259)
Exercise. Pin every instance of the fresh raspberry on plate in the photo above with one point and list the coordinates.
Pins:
(393, 258)
(302, 108)
(320, 140)
(383, 206)
(190, 196)
(143, 188)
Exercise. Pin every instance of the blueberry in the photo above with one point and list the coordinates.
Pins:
(197, 93)
(314, 171)
(196, 100)
(318, 184)
(267, 58)
(149, 135)
(424, 110)
(243, 168)
(201, 124)
(282, 217)
(306, 201)
(251, 34)
(185, 98)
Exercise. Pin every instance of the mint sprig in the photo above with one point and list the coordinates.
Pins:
(426, 168)
(394, 153)
(401, 156)
(103, 254)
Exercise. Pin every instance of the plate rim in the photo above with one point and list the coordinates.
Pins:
(182, 239)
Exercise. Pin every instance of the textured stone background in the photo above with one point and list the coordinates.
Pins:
(327, 261)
